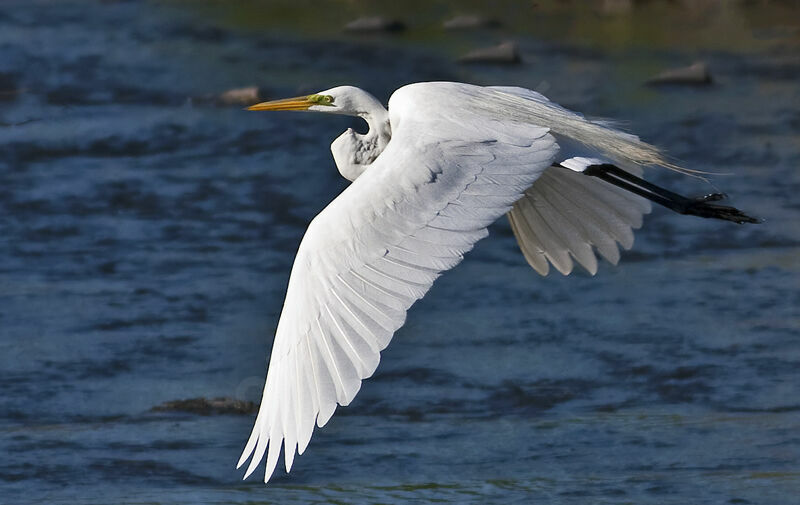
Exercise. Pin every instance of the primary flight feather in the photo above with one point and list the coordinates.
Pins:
(432, 172)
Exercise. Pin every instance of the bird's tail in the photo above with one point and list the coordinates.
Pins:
(623, 148)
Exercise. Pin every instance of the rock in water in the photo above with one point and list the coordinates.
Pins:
(695, 74)
(208, 406)
(374, 24)
(468, 22)
(240, 96)
(504, 54)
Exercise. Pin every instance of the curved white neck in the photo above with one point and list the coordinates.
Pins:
(354, 152)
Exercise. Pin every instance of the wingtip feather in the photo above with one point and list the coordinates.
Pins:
(256, 457)
(288, 454)
(272, 457)
(325, 414)
(248, 448)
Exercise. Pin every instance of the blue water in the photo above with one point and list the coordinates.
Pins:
(147, 236)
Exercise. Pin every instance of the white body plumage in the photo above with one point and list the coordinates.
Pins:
(431, 174)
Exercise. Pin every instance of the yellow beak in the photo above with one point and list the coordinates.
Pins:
(295, 103)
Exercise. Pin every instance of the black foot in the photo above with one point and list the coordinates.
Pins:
(713, 197)
(701, 207)
(680, 204)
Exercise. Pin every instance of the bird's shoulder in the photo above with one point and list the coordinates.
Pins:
(457, 113)
(433, 96)
(425, 99)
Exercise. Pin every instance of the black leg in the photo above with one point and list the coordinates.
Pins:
(680, 204)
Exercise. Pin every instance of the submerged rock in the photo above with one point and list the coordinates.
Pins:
(374, 24)
(503, 54)
(208, 406)
(468, 22)
(695, 74)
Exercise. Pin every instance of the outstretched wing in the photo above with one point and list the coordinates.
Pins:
(377, 248)
(564, 214)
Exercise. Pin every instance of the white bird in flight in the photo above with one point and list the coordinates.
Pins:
(431, 173)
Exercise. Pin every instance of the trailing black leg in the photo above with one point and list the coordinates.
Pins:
(680, 204)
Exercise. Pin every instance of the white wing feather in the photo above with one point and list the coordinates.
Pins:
(565, 213)
(378, 247)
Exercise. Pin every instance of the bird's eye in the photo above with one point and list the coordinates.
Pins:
(321, 99)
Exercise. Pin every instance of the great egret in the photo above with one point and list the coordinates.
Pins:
(444, 162)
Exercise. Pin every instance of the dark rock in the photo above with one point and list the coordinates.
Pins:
(199, 33)
(8, 87)
(696, 74)
(374, 24)
(468, 22)
(208, 406)
(504, 54)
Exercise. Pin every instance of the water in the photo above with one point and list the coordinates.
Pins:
(147, 237)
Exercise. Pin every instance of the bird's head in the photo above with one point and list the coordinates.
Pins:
(347, 100)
